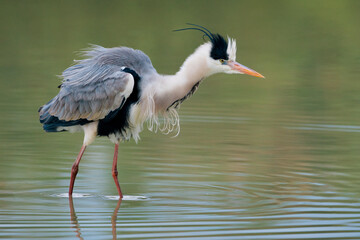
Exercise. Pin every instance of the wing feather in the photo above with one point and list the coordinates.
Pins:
(91, 92)
(96, 86)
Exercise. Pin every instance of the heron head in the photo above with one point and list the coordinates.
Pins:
(222, 56)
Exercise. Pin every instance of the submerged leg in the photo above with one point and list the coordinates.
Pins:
(114, 170)
(75, 169)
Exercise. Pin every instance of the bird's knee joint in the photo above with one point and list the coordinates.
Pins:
(115, 173)
(75, 169)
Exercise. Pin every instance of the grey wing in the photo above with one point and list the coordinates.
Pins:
(91, 92)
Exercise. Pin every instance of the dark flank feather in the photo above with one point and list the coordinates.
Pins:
(117, 121)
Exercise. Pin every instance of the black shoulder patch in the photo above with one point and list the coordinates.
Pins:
(219, 47)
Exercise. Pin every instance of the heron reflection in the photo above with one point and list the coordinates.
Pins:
(76, 225)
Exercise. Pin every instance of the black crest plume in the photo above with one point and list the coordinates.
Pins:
(219, 44)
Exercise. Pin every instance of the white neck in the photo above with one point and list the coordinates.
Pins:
(171, 88)
(195, 66)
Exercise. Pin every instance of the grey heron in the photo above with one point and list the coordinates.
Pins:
(113, 91)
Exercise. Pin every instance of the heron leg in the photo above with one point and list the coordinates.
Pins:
(75, 169)
(114, 170)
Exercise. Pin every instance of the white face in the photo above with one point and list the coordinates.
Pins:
(222, 66)
(230, 66)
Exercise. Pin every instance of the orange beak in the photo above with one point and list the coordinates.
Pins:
(244, 70)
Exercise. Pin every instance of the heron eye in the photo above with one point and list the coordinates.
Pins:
(222, 61)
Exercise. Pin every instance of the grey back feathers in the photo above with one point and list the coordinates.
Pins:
(97, 85)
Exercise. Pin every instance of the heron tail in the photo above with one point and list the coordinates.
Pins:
(54, 124)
